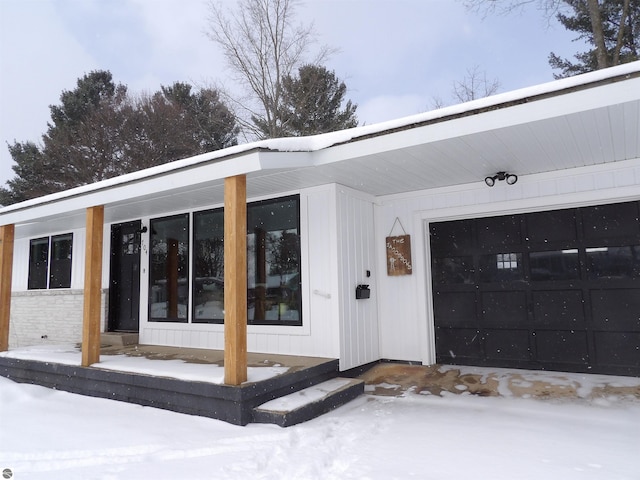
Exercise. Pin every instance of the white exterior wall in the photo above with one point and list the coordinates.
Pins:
(319, 333)
(342, 236)
(359, 339)
(57, 314)
(405, 308)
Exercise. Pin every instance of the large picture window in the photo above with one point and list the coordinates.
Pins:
(169, 269)
(208, 266)
(50, 262)
(273, 264)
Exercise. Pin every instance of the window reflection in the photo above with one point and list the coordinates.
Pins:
(273, 264)
(129, 244)
(169, 269)
(273, 244)
(506, 261)
(451, 270)
(50, 262)
(501, 267)
(60, 270)
(554, 265)
(614, 262)
(208, 267)
(38, 263)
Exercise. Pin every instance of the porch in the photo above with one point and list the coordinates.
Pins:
(281, 389)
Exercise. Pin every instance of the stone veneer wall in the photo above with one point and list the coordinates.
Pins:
(41, 317)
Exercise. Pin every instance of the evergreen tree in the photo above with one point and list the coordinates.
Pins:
(616, 39)
(210, 122)
(99, 131)
(82, 142)
(32, 175)
(177, 123)
(312, 103)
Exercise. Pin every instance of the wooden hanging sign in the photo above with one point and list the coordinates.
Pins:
(399, 255)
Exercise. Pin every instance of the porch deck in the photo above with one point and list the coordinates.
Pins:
(234, 404)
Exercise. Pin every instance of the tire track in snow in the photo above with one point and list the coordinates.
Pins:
(57, 460)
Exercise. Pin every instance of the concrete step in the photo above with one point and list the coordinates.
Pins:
(309, 403)
(118, 339)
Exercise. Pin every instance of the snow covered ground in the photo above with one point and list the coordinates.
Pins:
(47, 434)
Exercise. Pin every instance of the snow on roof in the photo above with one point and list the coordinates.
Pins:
(327, 140)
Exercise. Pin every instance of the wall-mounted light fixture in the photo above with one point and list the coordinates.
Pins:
(510, 178)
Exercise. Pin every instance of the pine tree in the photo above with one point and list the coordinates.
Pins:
(312, 103)
(612, 27)
(32, 178)
(100, 131)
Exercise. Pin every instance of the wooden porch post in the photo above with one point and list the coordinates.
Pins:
(92, 286)
(6, 267)
(235, 280)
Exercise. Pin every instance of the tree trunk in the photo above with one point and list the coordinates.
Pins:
(620, 39)
(598, 33)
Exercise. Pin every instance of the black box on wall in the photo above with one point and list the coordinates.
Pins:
(362, 291)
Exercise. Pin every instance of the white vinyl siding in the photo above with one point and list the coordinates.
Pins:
(406, 320)
(359, 338)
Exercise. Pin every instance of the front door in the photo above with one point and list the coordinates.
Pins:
(124, 284)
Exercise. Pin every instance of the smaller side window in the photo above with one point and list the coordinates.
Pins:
(60, 268)
(50, 262)
(38, 263)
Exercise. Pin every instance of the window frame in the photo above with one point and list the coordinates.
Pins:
(194, 273)
(48, 272)
(178, 319)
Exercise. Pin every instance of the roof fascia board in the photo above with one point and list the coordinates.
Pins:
(81, 198)
(548, 107)
(275, 160)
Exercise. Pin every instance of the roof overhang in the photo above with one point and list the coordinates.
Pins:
(586, 120)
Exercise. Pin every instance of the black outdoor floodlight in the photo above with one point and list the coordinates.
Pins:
(510, 178)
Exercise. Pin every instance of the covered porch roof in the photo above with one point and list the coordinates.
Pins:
(581, 121)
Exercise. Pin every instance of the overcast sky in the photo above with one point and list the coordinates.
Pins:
(395, 56)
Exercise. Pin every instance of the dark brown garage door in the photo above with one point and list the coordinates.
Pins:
(556, 290)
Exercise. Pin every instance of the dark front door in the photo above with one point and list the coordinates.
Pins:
(124, 286)
(557, 290)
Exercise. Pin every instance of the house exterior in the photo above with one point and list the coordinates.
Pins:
(379, 242)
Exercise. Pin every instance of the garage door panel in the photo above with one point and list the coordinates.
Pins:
(619, 349)
(499, 231)
(613, 263)
(562, 346)
(546, 227)
(551, 290)
(458, 345)
(453, 270)
(507, 345)
(562, 309)
(608, 221)
(455, 309)
(616, 309)
(452, 237)
(554, 265)
(504, 309)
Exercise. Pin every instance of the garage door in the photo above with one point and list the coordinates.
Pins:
(556, 290)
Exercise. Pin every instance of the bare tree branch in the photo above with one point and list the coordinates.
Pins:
(262, 46)
(474, 85)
